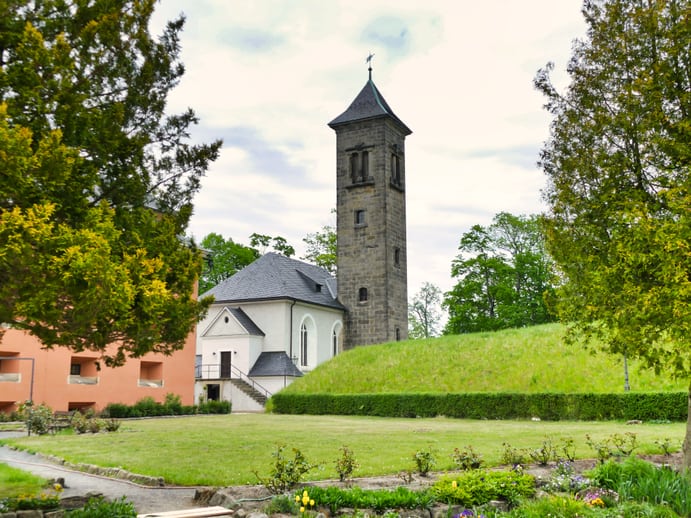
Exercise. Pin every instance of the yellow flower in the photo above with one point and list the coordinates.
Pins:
(302, 509)
(311, 503)
(297, 498)
(454, 484)
(305, 499)
(597, 502)
(57, 487)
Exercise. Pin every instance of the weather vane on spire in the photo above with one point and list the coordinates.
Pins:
(369, 62)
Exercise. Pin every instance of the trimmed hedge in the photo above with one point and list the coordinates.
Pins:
(147, 407)
(670, 406)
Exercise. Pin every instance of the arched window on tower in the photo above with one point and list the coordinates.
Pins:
(303, 345)
(362, 295)
(359, 166)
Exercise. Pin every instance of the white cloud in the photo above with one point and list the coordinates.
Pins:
(268, 76)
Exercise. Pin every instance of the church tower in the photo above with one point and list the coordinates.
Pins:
(371, 219)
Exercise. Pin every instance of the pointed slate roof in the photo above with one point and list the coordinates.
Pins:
(274, 363)
(273, 277)
(369, 104)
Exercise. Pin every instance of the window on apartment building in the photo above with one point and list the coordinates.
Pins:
(150, 374)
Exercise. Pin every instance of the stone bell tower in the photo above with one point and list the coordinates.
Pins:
(371, 219)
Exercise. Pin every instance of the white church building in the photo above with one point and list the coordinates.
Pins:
(271, 322)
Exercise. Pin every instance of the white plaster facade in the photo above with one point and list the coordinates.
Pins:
(234, 334)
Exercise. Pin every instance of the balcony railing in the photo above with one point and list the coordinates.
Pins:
(213, 371)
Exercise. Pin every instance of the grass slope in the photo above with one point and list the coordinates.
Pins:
(533, 359)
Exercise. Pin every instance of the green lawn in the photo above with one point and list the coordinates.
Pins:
(14, 482)
(225, 450)
(532, 359)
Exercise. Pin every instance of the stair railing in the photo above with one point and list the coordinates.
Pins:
(255, 385)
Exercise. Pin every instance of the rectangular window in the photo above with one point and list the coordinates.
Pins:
(76, 369)
(150, 374)
(360, 217)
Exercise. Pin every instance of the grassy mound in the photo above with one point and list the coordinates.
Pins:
(533, 360)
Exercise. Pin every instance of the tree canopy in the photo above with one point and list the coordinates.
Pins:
(618, 163)
(504, 276)
(97, 179)
(424, 313)
(225, 257)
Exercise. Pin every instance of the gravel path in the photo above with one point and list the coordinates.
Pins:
(77, 483)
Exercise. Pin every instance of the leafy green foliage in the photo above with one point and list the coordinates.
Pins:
(225, 257)
(379, 500)
(285, 473)
(617, 163)
(425, 460)
(321, 247)
(101, 508)
(477, 487)
(346, 464)
(636, 479)
(37, 418)
(466, 458)
(97, 181)
(423, 312)
(504, 275)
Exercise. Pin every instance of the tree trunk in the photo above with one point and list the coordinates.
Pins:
(687, 439)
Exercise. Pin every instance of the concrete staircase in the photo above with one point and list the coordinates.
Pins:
(248, 389)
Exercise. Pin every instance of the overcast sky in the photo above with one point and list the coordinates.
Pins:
(267, 76)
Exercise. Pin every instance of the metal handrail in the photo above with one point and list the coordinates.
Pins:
(213, 371)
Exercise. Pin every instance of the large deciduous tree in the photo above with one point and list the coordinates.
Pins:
(96, 179)
(504, 276)
(618, 162)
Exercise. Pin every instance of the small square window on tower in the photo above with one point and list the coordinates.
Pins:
(360, 217)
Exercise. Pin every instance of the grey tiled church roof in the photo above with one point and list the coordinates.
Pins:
(275, 276)
(274, 363)
(369, 104)
(246, 322)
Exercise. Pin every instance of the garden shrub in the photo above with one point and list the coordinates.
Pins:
(477, 487)
(346, 464)
(285, 473)
(466, 459)
(380, 500)
(639, 480)
(148, 407)
(425, 460)
(37, 418)
(100, 508)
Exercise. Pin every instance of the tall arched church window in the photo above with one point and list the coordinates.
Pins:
(303, 345)
(334, 342)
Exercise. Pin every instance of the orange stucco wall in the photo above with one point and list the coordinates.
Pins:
(53, 385)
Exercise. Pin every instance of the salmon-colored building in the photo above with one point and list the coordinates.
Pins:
(65, 380)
